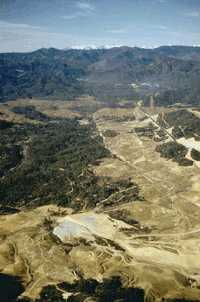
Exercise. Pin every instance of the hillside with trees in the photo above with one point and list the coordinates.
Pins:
(173, 73)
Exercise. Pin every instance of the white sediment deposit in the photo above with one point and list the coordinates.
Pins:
(190, 143)
(88, 225)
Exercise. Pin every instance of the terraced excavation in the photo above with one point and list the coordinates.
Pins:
(141, 235)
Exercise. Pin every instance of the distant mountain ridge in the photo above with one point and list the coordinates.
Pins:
(172, 73)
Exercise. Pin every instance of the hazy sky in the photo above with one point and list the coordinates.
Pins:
(26, 25)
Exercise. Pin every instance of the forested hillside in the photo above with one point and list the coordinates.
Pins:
(172, 73)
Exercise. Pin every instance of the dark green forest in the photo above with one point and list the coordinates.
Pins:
(110, 290)
(50, 163)
(185, 123)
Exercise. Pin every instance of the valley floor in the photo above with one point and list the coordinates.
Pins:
(152, 243)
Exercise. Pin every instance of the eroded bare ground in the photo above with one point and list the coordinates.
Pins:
(152, 243)
(170, 210)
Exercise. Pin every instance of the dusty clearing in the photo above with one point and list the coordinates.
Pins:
(160, 252)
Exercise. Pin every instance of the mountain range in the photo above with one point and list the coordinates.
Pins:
(170, 73)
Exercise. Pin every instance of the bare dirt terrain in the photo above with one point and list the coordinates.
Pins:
(152, 243)
(170, 210)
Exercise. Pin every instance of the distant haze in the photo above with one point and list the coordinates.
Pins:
(29, 25)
